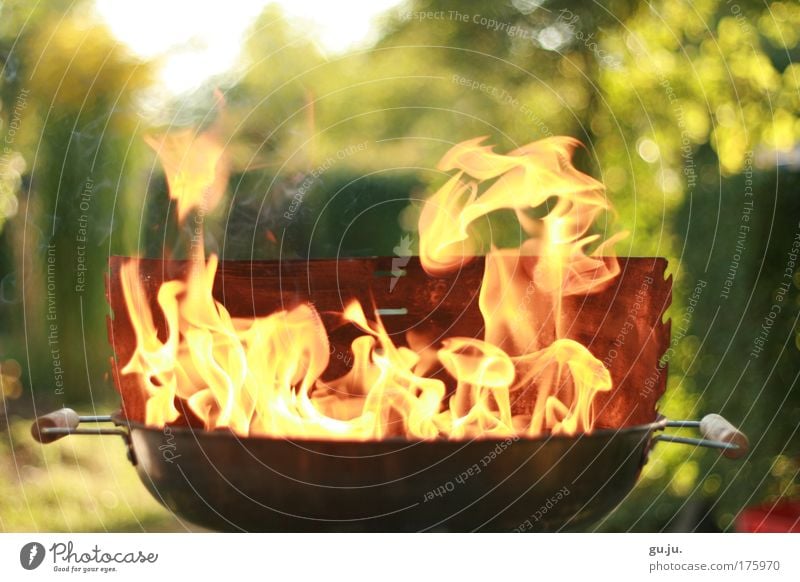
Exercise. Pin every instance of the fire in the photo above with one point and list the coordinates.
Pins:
(196, 167)
(263, 375)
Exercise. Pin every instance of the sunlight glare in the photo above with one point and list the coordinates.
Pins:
(195, 41)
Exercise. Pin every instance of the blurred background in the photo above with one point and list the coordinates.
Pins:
(333, 118)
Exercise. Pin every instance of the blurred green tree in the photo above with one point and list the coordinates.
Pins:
(73, 86)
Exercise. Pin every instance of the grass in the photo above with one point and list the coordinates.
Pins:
(77, 484)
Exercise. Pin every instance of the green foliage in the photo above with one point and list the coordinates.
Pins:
(77, 484)
(76, 144)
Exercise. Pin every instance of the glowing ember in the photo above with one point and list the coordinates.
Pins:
(262, 375)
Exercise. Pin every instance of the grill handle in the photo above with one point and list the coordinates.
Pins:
(718, 433)
(715, 427)
(50, 427)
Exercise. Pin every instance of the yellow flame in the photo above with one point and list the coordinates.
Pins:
(262, 375)
(196, 167)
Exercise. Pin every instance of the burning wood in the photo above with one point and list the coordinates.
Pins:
(527, 352)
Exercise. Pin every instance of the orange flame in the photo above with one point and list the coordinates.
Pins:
(262, 375)
(196, 166)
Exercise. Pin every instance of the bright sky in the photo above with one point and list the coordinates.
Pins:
(199, 39)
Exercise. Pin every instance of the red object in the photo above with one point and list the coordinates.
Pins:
(437, 306)
(779, 517)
